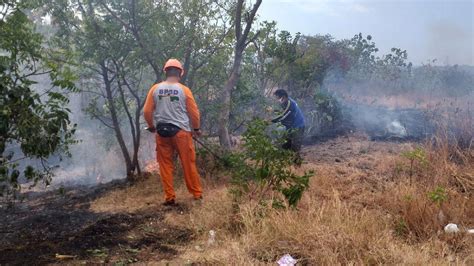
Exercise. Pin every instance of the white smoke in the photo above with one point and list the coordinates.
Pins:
(395, 128)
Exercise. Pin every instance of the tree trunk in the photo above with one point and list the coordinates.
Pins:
(224, 137)
(115, 121)
(138, 137)
(241, 37)
(187, 62)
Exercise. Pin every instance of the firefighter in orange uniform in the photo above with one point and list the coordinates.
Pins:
(171, 111)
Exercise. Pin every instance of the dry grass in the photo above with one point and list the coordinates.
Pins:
(143, 194)
(359, 209)
(132, 198)
(351, 215)
(328, 231)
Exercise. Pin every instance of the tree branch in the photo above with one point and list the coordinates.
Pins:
(250, 20)
(253, 39)
(238, 20)
(103, 121)
(94, 92)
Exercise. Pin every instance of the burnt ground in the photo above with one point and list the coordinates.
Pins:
(352, 147)
(61, 222)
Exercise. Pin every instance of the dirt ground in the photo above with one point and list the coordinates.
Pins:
(124, 223)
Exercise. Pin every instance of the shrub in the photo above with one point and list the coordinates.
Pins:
(438, 195)
(262, 168)
(325, 116)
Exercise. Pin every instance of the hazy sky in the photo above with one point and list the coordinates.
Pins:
(427, 29)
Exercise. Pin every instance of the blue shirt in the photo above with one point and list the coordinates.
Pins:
(292, 116)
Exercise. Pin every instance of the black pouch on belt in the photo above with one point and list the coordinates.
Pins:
(167, 130)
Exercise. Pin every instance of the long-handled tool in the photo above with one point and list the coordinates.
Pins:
(209, 149)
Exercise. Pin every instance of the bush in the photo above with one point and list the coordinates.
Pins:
(325, 116)
(263, 169)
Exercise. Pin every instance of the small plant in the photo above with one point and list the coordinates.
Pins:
(438, 195)
(401, 228)
(416, 156)
(408, 197)
(263, 167)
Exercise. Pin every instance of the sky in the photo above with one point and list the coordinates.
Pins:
(427, 29)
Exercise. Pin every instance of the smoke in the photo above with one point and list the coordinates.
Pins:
(450, 42)
(395, 128)
(382, 122)
(431, 96)
(93, 159)
(96, 158)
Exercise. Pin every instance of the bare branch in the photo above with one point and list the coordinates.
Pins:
(34, 73)
(103, 121)
(251, 18)
(253, 39)
(215, 48)
(113, 14)
(13, 161)
(101, 94)
(125, 107)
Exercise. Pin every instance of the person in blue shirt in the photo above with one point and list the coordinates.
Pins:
(292, 118)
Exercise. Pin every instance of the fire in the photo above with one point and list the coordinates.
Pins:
(152, 166)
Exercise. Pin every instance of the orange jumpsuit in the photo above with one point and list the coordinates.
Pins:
(174, 103)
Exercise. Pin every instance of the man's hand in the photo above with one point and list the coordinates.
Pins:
(268, 121)
(197, 133)
(151, 129)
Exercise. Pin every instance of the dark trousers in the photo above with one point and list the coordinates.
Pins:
(294, 140)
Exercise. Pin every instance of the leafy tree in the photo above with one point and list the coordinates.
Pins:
(249, 97)
(121, 46)
(34, 122)
(262, 56)
(283, 51)
(194, 31)
(109, 72)
(242, 40)
(363, 52)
